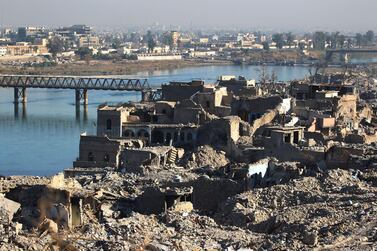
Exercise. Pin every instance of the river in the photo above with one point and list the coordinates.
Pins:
(43, 138)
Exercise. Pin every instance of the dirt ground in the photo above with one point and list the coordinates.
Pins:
(102, 67)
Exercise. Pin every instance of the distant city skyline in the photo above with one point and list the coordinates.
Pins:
(295, 15)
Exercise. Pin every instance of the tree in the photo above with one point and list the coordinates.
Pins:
(116, 43)
(273, 77)
(266, 46)
(359, 39)
(319, 40)
(263, 74)
(84, 53)
(150, 41)
(341, 40)
(278, 39)
(334, 37)
(168, 40)
(301, 46)
(369, 37)
(55, 46)
(290, 39)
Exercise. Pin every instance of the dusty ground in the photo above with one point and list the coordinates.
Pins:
(281, 55)
(96, 67)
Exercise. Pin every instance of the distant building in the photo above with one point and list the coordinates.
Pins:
(24, 49)
(246, 43)
(158, 57)
(6, 31)
(5, 41)
(204, 40)
(174, 37)
(202, 54)
(29, 33)
(89, 41)
(79, 30)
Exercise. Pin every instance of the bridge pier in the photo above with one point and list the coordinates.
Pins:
(16, 110)
(81, 95)
(20, 93)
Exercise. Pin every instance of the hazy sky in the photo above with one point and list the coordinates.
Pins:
(263, 14)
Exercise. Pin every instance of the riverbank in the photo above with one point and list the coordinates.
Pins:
(102, 67)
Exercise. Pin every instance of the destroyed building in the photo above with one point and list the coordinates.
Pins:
(211, 166)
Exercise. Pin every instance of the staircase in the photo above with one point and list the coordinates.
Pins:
(173, 154)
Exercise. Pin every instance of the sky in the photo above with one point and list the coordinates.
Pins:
(277, 15)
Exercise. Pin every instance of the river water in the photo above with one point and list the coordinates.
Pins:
(43, 137)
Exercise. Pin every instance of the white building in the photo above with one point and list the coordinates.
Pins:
(202, 54)
(158, 57)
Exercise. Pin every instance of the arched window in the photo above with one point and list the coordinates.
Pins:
(175, 137)
(182, 138)
(108, 124)
(143, 133)
(106, 158)
(90, 156)
(128, 133)
(163, 111)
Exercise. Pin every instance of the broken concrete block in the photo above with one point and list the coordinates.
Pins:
(154, 246)
(106, 210)
(8, 208)
(17, 227)
(48, 225)
(310, 238)
(183, 207)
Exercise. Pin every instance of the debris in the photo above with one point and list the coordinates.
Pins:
(48, 226)
(7, 209)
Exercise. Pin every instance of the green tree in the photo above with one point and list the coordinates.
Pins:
(369, 37)
(341, 40)
(266, 46)
(116, 43)
(84, 53)
(55, 46)
(167, 39)
(278, 39)
(301, 46)
(334, 37)
(319, 40)
(290, 39)
(150, 42)
(359, 39)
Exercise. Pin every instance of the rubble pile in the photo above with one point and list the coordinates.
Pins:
(333, 210)
(205, 156)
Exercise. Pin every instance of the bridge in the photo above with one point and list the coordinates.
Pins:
(330, 52)
(81, 84)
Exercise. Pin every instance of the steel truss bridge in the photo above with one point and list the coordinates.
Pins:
(81, 84)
